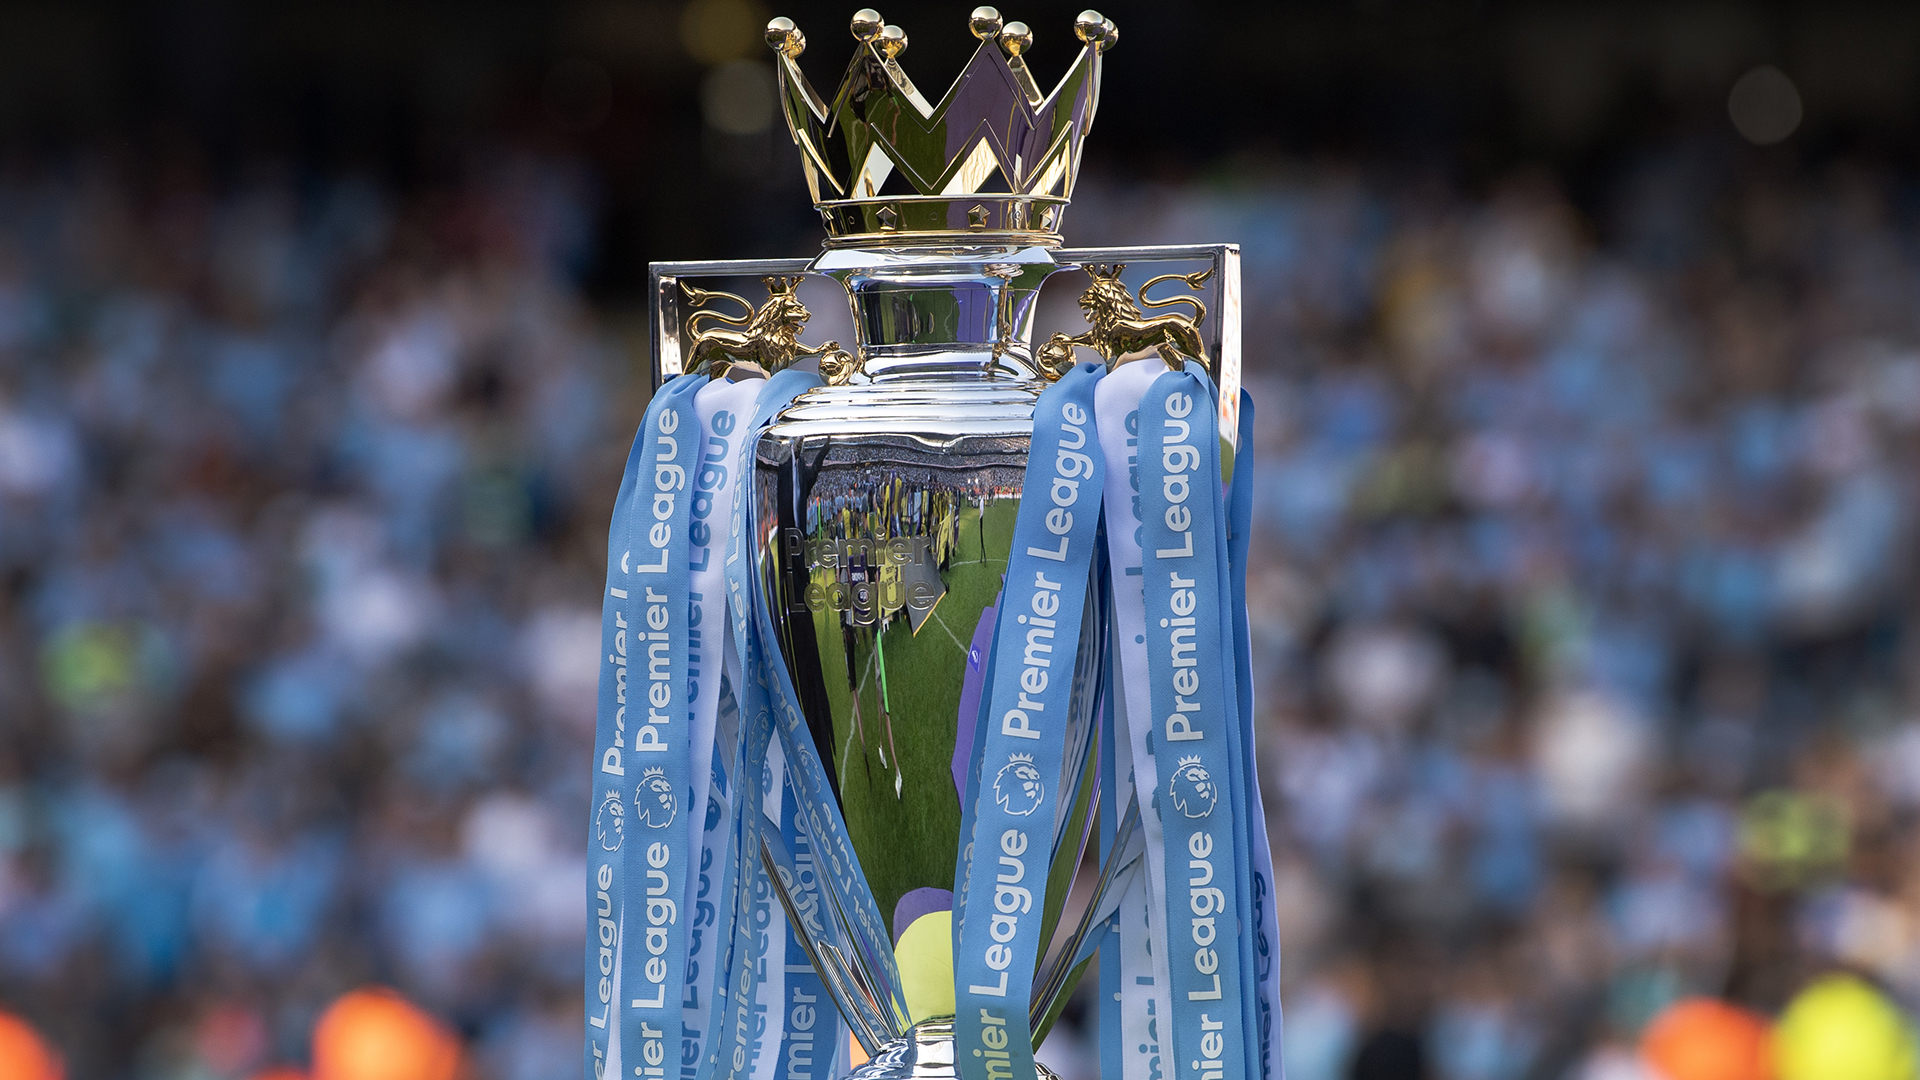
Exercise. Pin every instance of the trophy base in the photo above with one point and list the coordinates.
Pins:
(924, 1053)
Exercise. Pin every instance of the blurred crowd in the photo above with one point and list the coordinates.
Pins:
(303, 489)
(1588, 667)
(1588, 648)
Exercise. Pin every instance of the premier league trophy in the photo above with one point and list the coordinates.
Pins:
(929, 623)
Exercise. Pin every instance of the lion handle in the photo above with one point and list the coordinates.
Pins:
(696, 295)
(1192, 281)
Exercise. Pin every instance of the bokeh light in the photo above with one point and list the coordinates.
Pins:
(715, 31)
(1840, 1028)
(737, 97)
(376, 1034)
(24, 1055)
(1703, 1039)
(1765, 105)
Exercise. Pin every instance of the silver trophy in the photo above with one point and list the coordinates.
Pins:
(886, 499)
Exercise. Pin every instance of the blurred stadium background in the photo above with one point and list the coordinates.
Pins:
(1586, 345)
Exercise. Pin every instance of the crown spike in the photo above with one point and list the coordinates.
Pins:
(985, 22)
(1017, 39)
(867, 25)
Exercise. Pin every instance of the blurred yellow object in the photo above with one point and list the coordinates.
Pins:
(925, 956)
(23, 1054)
(1842, 1029)
(375, 1034)
(1704, 1039)
(715, 31)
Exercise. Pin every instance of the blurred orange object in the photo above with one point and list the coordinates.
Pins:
(279, 1072)
(23, 1054)
(1704, 1039)
(375, 1034)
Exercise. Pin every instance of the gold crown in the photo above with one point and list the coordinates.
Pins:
(994, 157)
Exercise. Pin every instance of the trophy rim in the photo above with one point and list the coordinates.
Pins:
(669, 339)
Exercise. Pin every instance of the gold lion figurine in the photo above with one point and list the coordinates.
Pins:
(1121, 332)
(769, 337)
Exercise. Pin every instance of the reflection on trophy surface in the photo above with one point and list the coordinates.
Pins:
(886, 514)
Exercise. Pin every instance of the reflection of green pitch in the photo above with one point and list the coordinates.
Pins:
(911, 839)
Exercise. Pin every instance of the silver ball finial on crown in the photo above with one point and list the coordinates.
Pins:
(893, 41)
(1096, 29)
(1016, 38)
(785, 38)
(867, 25)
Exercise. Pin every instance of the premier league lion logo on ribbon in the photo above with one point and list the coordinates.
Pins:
(654, 802)
(1017, 786)
(609, 824)
(1192, 789)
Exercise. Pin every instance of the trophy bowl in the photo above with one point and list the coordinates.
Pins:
(884, 517)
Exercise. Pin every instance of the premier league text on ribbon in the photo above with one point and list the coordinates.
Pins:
(653, 974)
(1182, 579)
(1031, 698)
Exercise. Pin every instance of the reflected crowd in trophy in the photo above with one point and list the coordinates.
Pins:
(1586, 636)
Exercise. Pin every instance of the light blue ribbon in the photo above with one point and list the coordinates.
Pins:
(641, 769)
(742, 1034)
(659, 852)
(1240, 732)
(1264, 938)
(737, 1038)
(1112, 1064)
(1225, 1012)
(1023, 734)
(606, 827)
(1190, 675)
